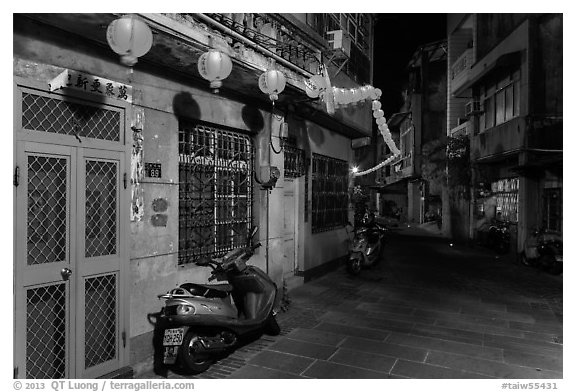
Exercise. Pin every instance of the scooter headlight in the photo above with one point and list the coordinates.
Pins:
(183, 310)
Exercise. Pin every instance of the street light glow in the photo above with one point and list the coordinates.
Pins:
(354, 169)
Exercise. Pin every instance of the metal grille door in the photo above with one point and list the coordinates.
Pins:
(70, 226)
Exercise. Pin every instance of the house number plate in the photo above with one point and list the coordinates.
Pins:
(153, 170)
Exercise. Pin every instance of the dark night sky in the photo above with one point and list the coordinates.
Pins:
(396, 38)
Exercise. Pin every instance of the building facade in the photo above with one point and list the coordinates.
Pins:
(411, 187)
(505, 96)
(124, 176)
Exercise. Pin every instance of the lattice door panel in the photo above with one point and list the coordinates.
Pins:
(45, 114)
(101, 208)
(100, 319)
(47, 209)
(46, 332)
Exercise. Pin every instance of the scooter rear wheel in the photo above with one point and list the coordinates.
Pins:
(188, 354)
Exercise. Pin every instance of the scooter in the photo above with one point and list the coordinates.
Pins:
(367, 244)
(203, 322)
(543, 249)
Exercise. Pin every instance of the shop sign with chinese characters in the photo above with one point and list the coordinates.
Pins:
(82, 81)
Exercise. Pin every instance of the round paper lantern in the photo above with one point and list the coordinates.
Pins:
(378, 113)
(380, 120)
(314, 86)
(365, 92)
(130, 38)
(347, 96)
(214, 66)
(272, 82)
(356, 96)
(376, 105)
(337, 95)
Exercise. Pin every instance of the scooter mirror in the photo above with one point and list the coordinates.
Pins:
(203, 261)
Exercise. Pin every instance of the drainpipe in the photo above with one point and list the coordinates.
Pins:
(246, 41)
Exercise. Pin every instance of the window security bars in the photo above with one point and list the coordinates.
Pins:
(329, 193)
(215, 193)
(294, 162)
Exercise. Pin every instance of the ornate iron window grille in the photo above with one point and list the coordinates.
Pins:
(294, 162)
(215, 191)
(329, 193)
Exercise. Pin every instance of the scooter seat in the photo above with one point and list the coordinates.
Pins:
(208, 290)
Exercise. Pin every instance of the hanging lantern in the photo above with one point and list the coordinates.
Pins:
(214, 66)
(272, 82)
(378, 113)
(376, 105)
(130, 38)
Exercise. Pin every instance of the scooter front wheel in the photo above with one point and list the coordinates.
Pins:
(354, 266)
(189, 359)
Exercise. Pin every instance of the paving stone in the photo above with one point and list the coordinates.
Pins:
(357, 320)
(428, 343)
(554, 328)
(388, 349)
(330, 370)
(258, 372)
(387, 308)
(363, 360)
(305, 349)
(315, 336)
(280, 361)
(419, 370)
(536, 361)
(366, 333)
(457, 335)
(401, 317)
(486, 367)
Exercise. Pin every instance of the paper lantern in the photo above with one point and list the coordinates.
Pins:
(272, 82)
(376, 105)
(380, 120)
(314, 86)
(356, 96)
(365, 92)
(214, 66)
(378, 113)
(130, 38)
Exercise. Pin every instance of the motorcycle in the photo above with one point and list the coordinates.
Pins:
(367, 244)
(202, 322)
(496, 236)
(543, 249)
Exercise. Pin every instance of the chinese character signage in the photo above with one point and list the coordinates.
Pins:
(81, 81)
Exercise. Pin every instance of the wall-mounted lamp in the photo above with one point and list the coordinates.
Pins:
(282, 135)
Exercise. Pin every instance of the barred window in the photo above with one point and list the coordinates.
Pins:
(215, 191)
(294, 162)
(329, 193)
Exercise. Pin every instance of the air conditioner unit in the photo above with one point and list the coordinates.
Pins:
(339, 43)
(472, 108)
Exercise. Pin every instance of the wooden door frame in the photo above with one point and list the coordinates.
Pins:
(124, 148)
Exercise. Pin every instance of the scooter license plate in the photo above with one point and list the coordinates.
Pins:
(173, 337)
(170, 355)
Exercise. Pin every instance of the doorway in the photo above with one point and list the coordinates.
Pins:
(70, 217)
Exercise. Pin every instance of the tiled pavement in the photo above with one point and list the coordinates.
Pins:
(392, 322)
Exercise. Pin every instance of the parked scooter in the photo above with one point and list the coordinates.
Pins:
(367, 244)
(543, 249)
(496, 235)
(202, 322)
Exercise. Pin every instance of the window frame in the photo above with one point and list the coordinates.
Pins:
(216, 189)
(330, 178)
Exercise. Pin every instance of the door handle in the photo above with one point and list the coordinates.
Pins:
(66, 272)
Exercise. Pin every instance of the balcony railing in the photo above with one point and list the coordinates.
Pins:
(462, 129)
(460, 70)
(271, 34)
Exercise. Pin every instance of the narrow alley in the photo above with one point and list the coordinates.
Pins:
(428, 310)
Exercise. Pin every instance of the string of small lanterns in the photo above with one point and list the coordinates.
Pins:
(318, 86)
